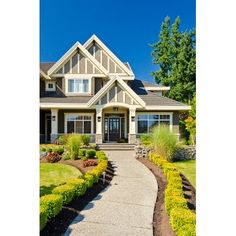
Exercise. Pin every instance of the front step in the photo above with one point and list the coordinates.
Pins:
(116, 146)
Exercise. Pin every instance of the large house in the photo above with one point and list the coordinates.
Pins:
(90, 91)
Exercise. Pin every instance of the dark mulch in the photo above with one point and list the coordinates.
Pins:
(59, 224)
(161, 225)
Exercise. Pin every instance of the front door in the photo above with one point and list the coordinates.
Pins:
(114, 129)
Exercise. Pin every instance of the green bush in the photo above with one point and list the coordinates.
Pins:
(48, 149)
(164, 142)
(42, 149)
(172, 202)
(59, 150)
(85, 139)
(73, 143)
(183, 222)
(66, 191)
(146, 140)
(63, 139)
(80, 186)
(101, 156)
(175, 182)
(170, 191)
(88, 180)
(52, 203)
(65, 156)
(82, 152)
(83, 158)
(90, 153)
(43, 216)
(95, 174)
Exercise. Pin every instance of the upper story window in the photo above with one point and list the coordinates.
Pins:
(78, 86)
(50, 86)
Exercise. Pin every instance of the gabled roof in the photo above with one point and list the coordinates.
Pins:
(135, 84)
(108, 85)
(109, 52)
(45, 66)
(70, 52)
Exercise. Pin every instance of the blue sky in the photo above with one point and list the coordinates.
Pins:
(126, 27)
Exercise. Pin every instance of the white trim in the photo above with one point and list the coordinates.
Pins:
(71, 65)
(123, 96)
(163, 88)
(50, 89)
(94, 50)
(169, 108)
(63, 69)
(115, 93)
(78, 63)
(64, 105)
(77, 78)
(80, 114)
(108, 96)
(86, 65)
(108, 52)
(44, 75)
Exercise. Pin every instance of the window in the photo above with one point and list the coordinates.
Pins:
(81, 124)
(50, 86)
(78, 85)
(147, 122)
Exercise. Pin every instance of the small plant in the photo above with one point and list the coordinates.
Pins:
(146, 140)
(62, 140)
(59, 150)
(66, 191)
(164, 142)
(101, 156)
(73, 143)
(65, 156)
(88, 180)
(42, 149)
(80, 186)
(89, 163)
(52, 204)
(43, 216)
(83, 158)
(85, 139)
(49, 149)
(90, 153)
(53, 157)
(82, 152)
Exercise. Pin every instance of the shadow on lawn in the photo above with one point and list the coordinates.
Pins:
(71, 212)
(46, 189)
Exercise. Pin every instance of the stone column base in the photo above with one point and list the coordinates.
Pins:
(132, 138)
(98, 138)
(53, 137)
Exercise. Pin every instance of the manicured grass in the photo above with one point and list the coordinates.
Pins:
(188, 169)
(52, 175)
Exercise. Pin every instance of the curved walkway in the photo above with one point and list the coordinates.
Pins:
(125, 207)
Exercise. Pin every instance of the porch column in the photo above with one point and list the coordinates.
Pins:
(54, 124)
(132, 125)
(98, 138)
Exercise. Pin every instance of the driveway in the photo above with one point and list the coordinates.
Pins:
(123, 208)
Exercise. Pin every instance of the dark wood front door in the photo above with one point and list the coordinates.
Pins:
(114, 129)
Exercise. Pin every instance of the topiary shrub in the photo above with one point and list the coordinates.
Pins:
(52, 203)
(95, 174)
(42, 149)
(88, 180)
(83, 158)
(101, 156)
(48, 149)
(90, 153)
(170, 191)
(80, 186)
(82, 152)
(172, 202)
(73, 143)
(66, 191)
(85, 139)
(53, 157)
(183, 222)
(43, 216)
(65, 156)
(59, 150)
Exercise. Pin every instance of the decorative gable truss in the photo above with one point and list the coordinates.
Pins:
(116, 91)
(77, 60)
(108, 60)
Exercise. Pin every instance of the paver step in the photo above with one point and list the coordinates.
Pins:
(116, 146)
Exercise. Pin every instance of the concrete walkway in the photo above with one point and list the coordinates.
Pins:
(123, 208)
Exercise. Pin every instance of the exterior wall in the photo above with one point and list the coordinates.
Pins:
(98, 84)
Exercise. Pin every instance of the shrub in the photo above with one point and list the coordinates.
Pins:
(48, 149)
(164, 142)
(170, 191)
(66, 191)
(146, 139)
(90, 153)
(172, 202)
(82, 152)
(89, 163)
(53, 157)
(65, 156)
(101, 156)
(62, 140)
(59, 150)
(52, 204)
(84, 158)
(183, 222)
(80, 186)
(88, 180)
(73, 143)
(43, 216)
(85, 139)
(42, 149)
(175, 182)
(95, 174)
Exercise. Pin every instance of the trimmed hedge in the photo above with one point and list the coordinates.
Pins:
(66, 191)
(43, 216)
(90, 153)
(182, 220)
(88, 180)
(82, 152)
(80, 186)
(52, 203)
(101, 156)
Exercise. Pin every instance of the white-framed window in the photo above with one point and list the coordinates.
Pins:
(79, 123)
(145, 122)
(50, 86)
(78, 85)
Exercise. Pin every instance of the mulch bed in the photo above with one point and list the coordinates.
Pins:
(161, 226)
(59, 224)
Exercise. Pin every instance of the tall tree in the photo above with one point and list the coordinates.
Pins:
(175, 55)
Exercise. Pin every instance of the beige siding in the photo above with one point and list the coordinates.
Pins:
(89, 67)
(75, 63)
(82, 64)
(104, 99)
(112, 94)
(59, 71)
(104, 60)
(67, 67)
(91, 49)
(111, 66)
(97, 53)
(119, 94)
(118, 70)
(98, 84)
(96, 71)
(127, 99)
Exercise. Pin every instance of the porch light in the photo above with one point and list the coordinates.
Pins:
(53, 118)
(99, 118)
(132, 118)
(115, 108)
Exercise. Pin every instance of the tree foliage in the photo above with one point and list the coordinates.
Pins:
(175, 55)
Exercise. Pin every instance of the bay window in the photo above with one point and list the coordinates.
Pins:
(148, 121)
(77, 123)
(78, 86)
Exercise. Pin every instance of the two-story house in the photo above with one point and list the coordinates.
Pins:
(90, 91)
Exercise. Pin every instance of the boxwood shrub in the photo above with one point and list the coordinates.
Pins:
(183, 222)
(88, 180)
(66, 191)
(82, 152)
(80, 186)
(43, 216)
(59, 150)
(52, 203)
(101, 156)
(90, 153)
(95, 175)
(170, 191)
(172, 202)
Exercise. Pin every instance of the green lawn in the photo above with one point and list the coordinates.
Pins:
(188, 169)
(52, 175)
